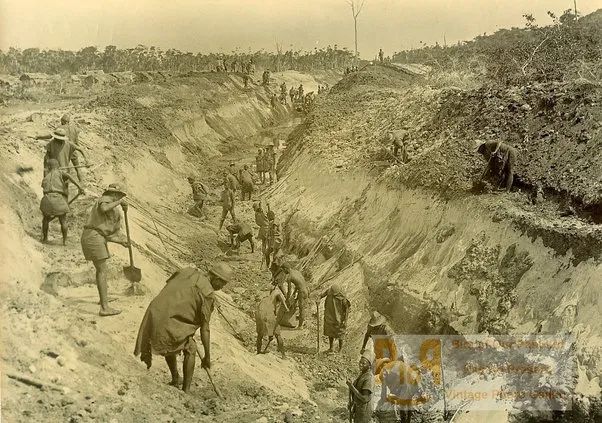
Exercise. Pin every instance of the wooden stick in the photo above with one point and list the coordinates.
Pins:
(215, 388)
(318, 325)
(33, 382)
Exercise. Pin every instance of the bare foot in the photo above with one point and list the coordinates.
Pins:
(176, 382)
(108, 312)
(330, 351)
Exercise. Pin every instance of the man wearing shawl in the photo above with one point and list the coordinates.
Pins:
(336, 310)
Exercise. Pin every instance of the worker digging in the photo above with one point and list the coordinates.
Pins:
(307, 220)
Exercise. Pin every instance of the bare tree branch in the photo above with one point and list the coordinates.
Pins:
(528, 62)
(361, 7)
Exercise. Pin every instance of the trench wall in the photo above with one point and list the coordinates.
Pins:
(434, 266)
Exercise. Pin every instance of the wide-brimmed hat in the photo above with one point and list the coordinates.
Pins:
(60, 134)
(115, 187)
(376, 319)
(222, 271)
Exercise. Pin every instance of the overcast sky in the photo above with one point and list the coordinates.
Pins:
(222, 25)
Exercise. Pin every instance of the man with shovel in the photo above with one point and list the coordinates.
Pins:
(103, 226)
(55, 202)
(184, 305)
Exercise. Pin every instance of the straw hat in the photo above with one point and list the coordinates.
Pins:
(222, 271)
(376, 319)
(60, 134)
(115, 187)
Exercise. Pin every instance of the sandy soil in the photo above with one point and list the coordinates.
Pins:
(151, 136)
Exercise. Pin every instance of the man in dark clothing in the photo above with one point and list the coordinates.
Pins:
(266, 77)
(360, 393)
(300, 92)
(336, 311)
(246, 183)
(260, 165)
(55, 202)
(381, 55)
(246, 78)
(274, 101)
(230, 179)
(228, 202)
(184, 305)
(397, 140)
(270, 156)
(274, 238)
(62, 150)
(501, 159)
(291, 94)
(261, 220)
(199, 194)
(243, 232)
(376, 326)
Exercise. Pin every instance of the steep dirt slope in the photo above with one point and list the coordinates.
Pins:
(151, 136)
(434, 257)
(555, 128)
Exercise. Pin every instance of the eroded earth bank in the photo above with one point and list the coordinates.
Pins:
(413, 241)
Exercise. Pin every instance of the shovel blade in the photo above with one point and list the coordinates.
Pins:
(133, 274)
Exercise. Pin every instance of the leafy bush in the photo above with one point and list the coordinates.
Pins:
(568, 48)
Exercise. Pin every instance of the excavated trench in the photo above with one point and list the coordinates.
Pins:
(429, 265)
(435, 266)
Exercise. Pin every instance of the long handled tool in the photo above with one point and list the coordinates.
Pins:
(215, 388)
(132, 273)
(318, 324)
(75, 167)
(74, 197)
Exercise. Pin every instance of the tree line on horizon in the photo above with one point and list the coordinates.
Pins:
(145, 58)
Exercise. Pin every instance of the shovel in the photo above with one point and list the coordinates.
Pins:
(131, 272)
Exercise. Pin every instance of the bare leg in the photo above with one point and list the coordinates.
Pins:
(172, 363)
(101, 284)
(45, 224)
(252, 244)
(233, 214)
(301, 305)
(188, 369)
(330, 342)
(340, 344)
(259, 343)
(224, 214)
(64, 228)
(280, 343)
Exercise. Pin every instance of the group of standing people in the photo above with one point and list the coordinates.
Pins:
(236, 65)
(104, 221)
(265, 164)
